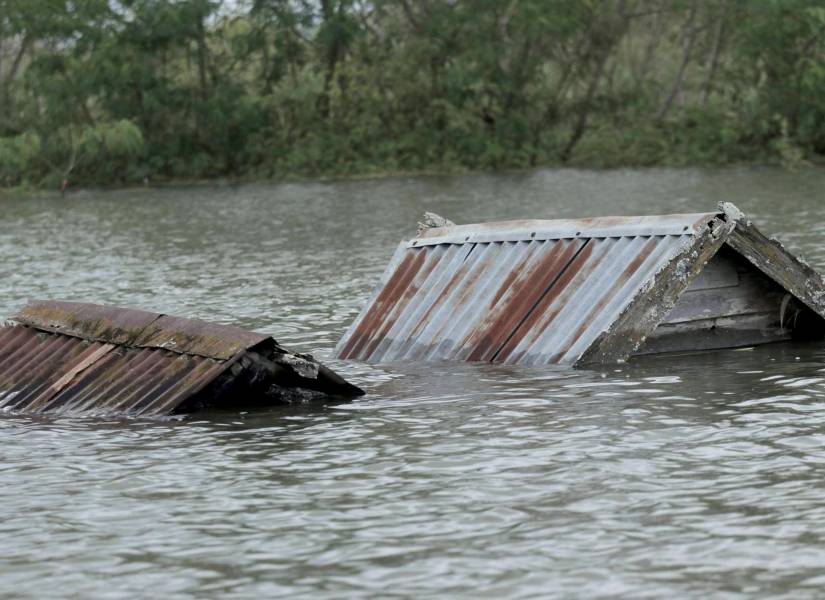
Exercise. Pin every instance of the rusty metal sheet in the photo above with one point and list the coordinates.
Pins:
(190, 336)
(570, 319)
(44, 372)
(528, 299)
(77, 358)
(536, 230)
(80, 359)
(89, 321)
(124, 326)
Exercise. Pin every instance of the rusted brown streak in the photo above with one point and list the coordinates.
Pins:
(517, 273)
(47, 400)
(509, 279)
(532, 282)
(540, 317)
(20, 379)
(126, 398)
(40, 359)
(438, 303)
(469, 279)
(139, 364)
(50, 369)
(402, 300)
(457, 276)
(627, 273)
(648, 308)
(400, 278)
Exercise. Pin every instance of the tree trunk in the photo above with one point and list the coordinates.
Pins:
(7, 81)
(586, 105)
(657, 30)
(202, 50)
(688, 40)
(331, 59)
(603, 52)
(719, 35)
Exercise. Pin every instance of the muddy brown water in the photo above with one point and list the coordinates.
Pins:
(681, 476)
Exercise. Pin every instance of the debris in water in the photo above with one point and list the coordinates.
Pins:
(75, 358)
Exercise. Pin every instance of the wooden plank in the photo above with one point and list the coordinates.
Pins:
(771, 257)
(77, 369)
(756, 293)
(713, 334)
(652, 304)
(721, 271)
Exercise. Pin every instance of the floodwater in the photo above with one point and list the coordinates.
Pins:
(686, 476)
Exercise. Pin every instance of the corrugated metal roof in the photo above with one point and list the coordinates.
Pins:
(593, 227)
(76, 358)
(126, 326)
(48, 372)
(528, 292)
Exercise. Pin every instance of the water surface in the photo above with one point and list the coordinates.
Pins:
(671, 476)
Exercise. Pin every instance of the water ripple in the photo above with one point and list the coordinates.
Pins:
(696, 475)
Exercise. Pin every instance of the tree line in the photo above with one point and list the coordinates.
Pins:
(124, 91)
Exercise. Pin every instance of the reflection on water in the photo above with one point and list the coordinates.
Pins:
(678, 475)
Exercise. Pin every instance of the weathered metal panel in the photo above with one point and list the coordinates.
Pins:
(90, 321)
(530, 292)
(188, 336)
(125, 326)
(514, 231)
(598, 291)
(44, 372)
(74, 358)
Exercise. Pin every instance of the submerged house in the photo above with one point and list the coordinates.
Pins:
(74, 358)
(597, 290)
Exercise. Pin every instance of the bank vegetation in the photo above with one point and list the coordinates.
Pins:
(102, 92)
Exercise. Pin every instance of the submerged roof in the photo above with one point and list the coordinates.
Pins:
(70, 357)
(75, 358)
(552, 292)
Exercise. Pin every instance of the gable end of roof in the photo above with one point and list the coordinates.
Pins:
(655, 300)
(774, 260)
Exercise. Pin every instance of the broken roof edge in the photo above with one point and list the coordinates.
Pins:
(138, 329)
(378, 286)
(771, 257)
(657, 297)
(537, 230)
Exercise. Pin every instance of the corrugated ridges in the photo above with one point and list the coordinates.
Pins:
(521, 301)
(77, 358)
(42, 372)
(536, 230)
(47, 372)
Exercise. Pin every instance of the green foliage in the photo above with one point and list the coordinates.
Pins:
(98, 92)
(18, 155)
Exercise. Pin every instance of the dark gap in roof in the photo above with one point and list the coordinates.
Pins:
(539, 299)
